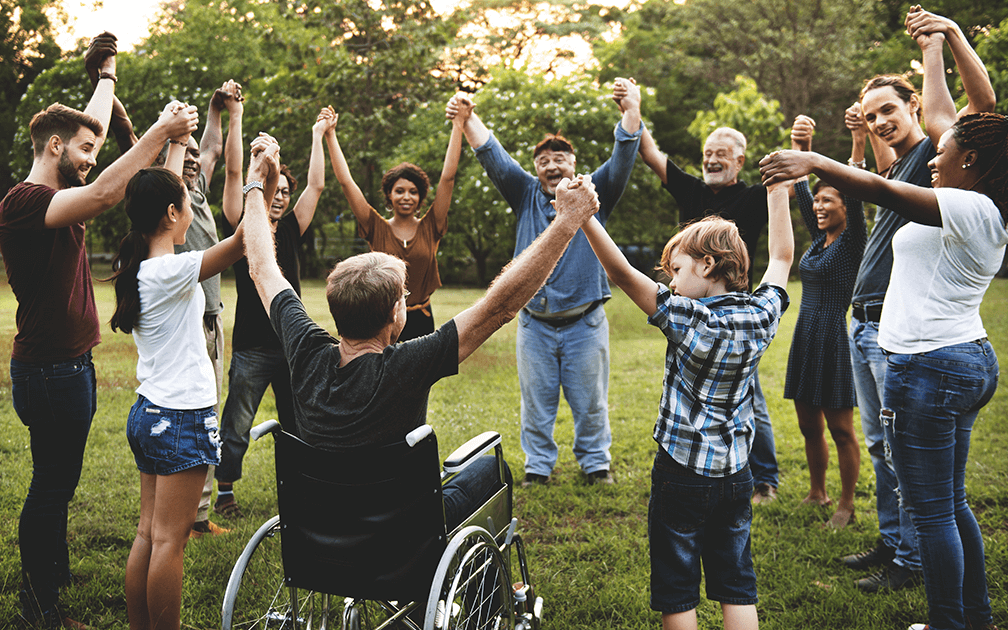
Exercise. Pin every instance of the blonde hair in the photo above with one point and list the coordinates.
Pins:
(715, 237)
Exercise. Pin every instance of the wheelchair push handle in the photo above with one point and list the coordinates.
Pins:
(263, 428)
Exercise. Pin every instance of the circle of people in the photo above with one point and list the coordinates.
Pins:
(915, 357)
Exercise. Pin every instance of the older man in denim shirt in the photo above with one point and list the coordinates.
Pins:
(563, 334)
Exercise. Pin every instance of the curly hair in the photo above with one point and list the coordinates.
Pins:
(718, 238)
(987, 134)
(408, 171)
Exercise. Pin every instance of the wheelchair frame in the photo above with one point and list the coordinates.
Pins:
(471, 588)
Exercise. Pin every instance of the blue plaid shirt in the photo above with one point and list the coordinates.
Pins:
(705, 419)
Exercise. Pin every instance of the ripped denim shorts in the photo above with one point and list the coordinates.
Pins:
(166, 441)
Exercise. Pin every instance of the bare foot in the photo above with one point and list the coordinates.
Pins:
(841, 518)
(819, 501)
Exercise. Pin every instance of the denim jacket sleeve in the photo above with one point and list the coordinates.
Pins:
(508, 177)
(611, 178)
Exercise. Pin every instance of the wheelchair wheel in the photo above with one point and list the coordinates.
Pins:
(256, 596)
(472, 586)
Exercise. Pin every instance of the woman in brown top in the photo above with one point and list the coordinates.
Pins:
(413, 238)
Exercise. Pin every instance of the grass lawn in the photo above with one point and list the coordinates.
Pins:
(587, 545)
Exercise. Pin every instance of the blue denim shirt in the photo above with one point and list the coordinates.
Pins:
(579, 277)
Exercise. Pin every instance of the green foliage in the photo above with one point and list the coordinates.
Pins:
(520, 109)
(27, 48)
(993, 49)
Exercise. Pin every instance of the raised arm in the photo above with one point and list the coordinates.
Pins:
(780, 237)
(640, 288)
(100, 59)
(475, 131)
(259, 246)
(575, 202)
(358, 204)
(884, 154)
(653, 157)
(75, 205)
(212, 143)
(304, 209)
(916, 203)
(975, 79)
(628, 93)
(446, 185)
(230, 96)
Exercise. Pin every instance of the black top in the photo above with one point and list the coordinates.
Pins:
(252, 327)
(374, 399)
(745, 205)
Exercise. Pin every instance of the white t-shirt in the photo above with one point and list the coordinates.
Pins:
(940, 275)
(173, 366)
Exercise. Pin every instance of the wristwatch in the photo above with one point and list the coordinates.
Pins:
(253, 184)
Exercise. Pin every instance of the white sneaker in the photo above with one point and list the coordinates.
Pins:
(918, 626)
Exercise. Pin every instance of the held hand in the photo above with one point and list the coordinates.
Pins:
(801, 133)
(576, 200)
(459, 108)
(264, 164)
(178, 119)
(928, 29)
(101, 48)
(782, 166)
(854, 120)
(228, 96)
(324, 122)
(626, 94)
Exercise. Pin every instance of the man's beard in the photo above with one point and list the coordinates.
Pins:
(70, 173)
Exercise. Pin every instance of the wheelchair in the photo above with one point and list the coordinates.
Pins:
(361, 543)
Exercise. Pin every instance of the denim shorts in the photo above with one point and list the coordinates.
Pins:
(693, 518)
(167, 441)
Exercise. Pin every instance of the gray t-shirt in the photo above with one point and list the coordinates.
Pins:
(374, 399)
(876, 264)
(202, 235)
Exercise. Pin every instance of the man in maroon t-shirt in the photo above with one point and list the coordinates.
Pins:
(52, 376)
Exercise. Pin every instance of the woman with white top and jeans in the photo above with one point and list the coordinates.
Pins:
(941, 369)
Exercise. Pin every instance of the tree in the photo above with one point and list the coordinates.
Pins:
(519, 109)
(27, 48)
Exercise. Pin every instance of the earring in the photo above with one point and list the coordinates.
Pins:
(965, 166)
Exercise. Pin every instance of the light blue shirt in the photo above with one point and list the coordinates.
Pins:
(579, 277)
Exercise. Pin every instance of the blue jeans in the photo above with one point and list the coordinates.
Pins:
(57, 402)
(471, 488)
(763, 456)
(693, 518)
(576, 358)
(869, 365)
(251, 372)
(932, 400)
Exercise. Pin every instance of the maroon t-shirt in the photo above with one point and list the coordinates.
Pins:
(49, 273)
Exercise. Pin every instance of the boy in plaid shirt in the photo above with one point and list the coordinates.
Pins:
(717, 332)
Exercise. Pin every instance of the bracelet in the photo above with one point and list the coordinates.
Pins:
(253, 184)
(863, 165)
(108, 75)
(178, 142)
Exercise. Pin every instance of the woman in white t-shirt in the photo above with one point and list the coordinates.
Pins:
(172, 427)
(941, 369)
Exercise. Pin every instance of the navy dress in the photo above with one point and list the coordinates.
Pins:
(819, 366)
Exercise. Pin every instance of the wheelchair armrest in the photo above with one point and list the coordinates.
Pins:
(261, 429)
(472, 449)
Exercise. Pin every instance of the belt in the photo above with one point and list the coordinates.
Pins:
(867, 312)
(557, 322)
(423, 307)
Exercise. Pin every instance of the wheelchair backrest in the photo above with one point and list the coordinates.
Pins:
(364, 522)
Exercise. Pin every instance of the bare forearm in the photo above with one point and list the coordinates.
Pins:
(212, 142)
(653, 156)
(476, 132)
(100, 107)
(939, 108)
(260, 250)
(233, 167)
(973, 73)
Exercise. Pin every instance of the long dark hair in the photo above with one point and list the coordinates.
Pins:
(987, 134)
(148, 195)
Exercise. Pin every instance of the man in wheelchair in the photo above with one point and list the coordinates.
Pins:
(365, 389)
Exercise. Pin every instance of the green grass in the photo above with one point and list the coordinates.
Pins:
(587, 545)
